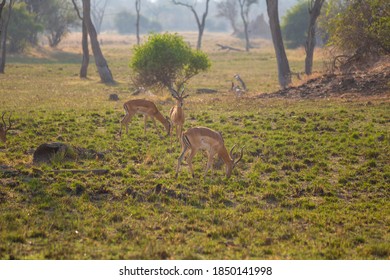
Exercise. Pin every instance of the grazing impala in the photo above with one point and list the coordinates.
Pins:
(176, 113)
(4, 129)
(203, 138)
(146, 108)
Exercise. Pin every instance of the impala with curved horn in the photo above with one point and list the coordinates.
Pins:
(146, 108)
(3, 127)
(203, 138)
(177, 113)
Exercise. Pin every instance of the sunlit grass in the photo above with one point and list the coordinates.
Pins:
(313, 182)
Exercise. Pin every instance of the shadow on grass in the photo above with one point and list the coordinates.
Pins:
(44, 56)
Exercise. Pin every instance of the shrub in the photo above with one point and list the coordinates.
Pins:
(165, 60)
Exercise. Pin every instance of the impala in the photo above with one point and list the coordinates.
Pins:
(4, 129)
(146, 108)
(236, 88)
(177, 113)
(203, 138)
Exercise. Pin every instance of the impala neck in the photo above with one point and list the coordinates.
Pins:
(224, 155)
(162, 120)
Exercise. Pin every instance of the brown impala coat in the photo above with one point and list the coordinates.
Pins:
(148, 109)
(203, 138)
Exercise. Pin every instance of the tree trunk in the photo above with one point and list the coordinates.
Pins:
(314, 12)
(100, 61)
(2, 4)
(85, 48)
(284, 73)
(84, 44)
(3, 38)
(245, 22)
(201, 24)
(138, 10)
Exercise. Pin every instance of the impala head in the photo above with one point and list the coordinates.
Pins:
(3, 127)
(179, 96)
(234, 161)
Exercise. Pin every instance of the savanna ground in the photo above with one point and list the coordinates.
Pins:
(313, 182)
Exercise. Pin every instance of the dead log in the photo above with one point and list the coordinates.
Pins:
(206, 90)
(73, 171)
(224, 47)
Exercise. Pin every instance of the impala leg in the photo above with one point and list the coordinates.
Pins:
(189, 161)
(209, 165)
(155, 126)
(125, 122)
(184, 150)
(145, 121)
(178, 131)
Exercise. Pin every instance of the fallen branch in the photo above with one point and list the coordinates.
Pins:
(224, 47)
(94, 171)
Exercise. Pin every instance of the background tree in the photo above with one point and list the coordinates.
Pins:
(124, 24)
(228, 9)
(201, 23)
(284, 73)
(359, 29)
(4, 21)
(57, 17)
(314, 12)
(98, 9)
(138, 10)
(101, 63)
(245, 6)
(165, 61)
(294, 25)
(2, 4)
(21, 26)
(84, 43)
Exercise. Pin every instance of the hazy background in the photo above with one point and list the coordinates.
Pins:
(169, 17)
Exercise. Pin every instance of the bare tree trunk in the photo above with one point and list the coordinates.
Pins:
(84, 44)
(314, 11)
(245, 22)
(228, 10)
(201, 24)
(85, 48)
(100, 61)
(284, 73)
(138, 10)
(3, 38)
(2, 4)
(98, 9)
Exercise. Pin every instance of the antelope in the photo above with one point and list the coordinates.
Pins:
(4, 129)
(203, 138)
(177, 114)
(146, 108)
(236, 88)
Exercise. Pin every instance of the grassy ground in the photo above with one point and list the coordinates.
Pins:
(313, 183)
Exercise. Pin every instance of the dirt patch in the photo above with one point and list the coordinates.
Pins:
(368, 83)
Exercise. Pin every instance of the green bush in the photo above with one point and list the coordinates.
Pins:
(166, 60)
(357, 26)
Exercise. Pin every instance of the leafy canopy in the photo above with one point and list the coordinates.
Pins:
(294, 25)
(166, 60)
(359, 26)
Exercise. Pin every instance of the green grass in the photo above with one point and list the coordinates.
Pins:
(313, 183)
